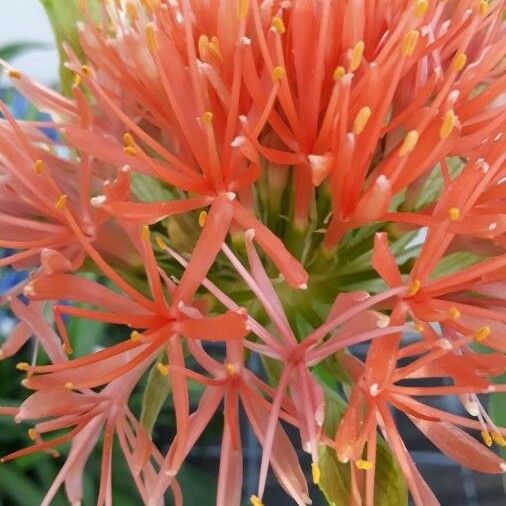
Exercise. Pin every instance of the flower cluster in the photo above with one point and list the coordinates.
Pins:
(288, 179)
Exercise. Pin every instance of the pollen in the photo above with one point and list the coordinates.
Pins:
(361, 120)
(409, 143)
(85, 70)
(316, 473)
(207, 118)
(231, 369)
(242, 8)
(421, 8)
(409, 42)
(338, 73)
(419, 327)
(131, 11)
(277, 74)
(14, 74)
(482, 333)
(449, 122)
(69, 385)
(23, 366)
(61, 202)
(159, 242)
(483, 8)
(278, 25)
(135, 336)
(128, 140)
(32, 434)
(162, 369)
(149, 30)
(39, 166)
(459, 61)
(414, 287)
(255, 501)
(202, 218)
(498, 439)
(454, 213)
(454, 313)
(487, 438)
(356, 55)
(130, 150)
(145, 233)
(77, 81)
(364, 465)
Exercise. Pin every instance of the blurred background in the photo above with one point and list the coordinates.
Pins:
(26, 39)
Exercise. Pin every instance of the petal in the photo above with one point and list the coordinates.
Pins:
(231, 325)
(384, 262)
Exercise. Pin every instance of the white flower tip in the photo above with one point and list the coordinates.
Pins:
(238, 141)
(243, 119)
(249, 234)
(171, 472)
(306, 499)
(126, 168)
(444, 343)
(374, 390)
(230, 195)
(28, 291)
(492, 226)
(302, 286)
(245, 41)
(383, 182)
(453, 96)
(180, 305)
(98, 201)
(383, 321)
(502, 465)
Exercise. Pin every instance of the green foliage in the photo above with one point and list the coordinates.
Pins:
(155, 394)
(10, 51)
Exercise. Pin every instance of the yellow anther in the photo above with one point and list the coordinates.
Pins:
(77, 81)
(131, 11)
(414, 287)
(145, 233)
(338, 74)
(356, 55)
(277, 74)
(148, 4)
(449, 122)
(207, 118)
(242, 8)
(483, 8)
(162, 369)
(39, 166)
(130, 150)
(202, 218)
(69, 385)
(454, 313)
(230, 368)
(14, 74)
(32, 434)
(135, 336)
(419, 327)
(482, 333)
(409, 42)
(61, 202)
(459, 61)
(149, 30)
(85, 70)
(128, 140)
(363, 465)
(421, 7)
(498, 439)
(409, 143)
(278, 25)
(255, 501)
(361, 120)
(316, 473)
(454, 213)
(203, 46)
(487, 439)
(23, 366)
(159, 242)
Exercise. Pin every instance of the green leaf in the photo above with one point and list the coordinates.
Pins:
(155, 394)
(454, 262)
(333, 481)
(10, 51)
(64, 17)
(149, 189)
(84, 335)
(497, 411)
(390, 488)
(19, 488)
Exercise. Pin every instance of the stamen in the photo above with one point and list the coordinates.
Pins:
(131, 11)
(498, 439)
(145, 233)
(159, 242)
(414, 287)
(242, 8)
(364, 465)
(85, 70)
(361, 120)
(14, 74)
(409, 143)
(128, 139)
(207, 118)
(231, 369)
(69, 385)
(149, 30)
(277, 74)
(135, 336)
(23, 366)
(487, 439)
(409, 42)
(419, 327)
(61, 202)
(278, 25)
(356, 55)
(77, 81)
(162, 369)
(483, 8)
(459, 62)
(32, 434)
(449, 122)
(421, 8)
(482, 333)
(338, 74)
(454, 213)
(202, 218)
(454, 313)
(315, 471)
(39, 166)
(255, 501)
